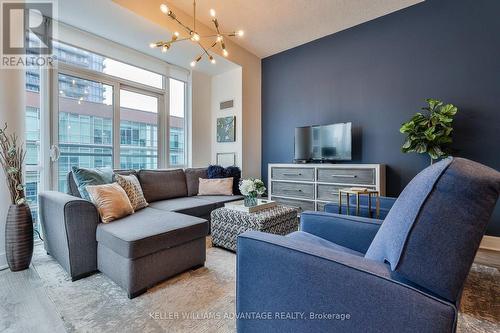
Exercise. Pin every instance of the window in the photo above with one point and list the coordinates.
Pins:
(32, 137)
(177, 119)
(85, 125)
(82, 58)
(138, 130)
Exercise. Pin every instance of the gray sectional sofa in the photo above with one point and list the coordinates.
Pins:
(142, 249)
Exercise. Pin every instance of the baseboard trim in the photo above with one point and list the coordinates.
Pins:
(490, 243)
(3, 261)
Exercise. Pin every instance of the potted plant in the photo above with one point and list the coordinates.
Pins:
(19, 226)
(430, 132)
(250, 189)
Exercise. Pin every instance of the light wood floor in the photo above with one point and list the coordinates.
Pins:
(25, 306)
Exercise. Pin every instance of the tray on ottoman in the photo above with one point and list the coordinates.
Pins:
(227, 224)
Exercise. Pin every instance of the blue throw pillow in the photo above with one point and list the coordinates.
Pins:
(84, 177)
(216, 171)
(235, 172)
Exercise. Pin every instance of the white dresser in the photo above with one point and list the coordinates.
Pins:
(311, 186)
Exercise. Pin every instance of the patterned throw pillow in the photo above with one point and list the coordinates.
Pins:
(133, 189)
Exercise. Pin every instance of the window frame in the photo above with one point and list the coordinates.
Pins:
(117, 84)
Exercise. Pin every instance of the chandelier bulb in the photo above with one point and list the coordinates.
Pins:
(225, 53)
(195, 37)
(240, 33)
(219, 38)
(164, 8)
(193, 63)
(212, 12)
(152, 45)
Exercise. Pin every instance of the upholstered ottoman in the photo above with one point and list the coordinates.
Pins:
(227, 224)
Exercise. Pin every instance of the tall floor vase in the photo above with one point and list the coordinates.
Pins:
(19, 237)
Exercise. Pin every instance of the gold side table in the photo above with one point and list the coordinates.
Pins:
(357, 193)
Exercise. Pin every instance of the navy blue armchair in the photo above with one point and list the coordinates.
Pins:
(353, 274)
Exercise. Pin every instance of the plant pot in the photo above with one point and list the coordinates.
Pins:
(19, 237)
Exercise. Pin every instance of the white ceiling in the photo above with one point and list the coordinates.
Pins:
(272, 26)
(118, 24)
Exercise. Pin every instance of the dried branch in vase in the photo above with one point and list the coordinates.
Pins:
(12, 155)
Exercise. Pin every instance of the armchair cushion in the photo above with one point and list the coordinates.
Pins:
(433, 231)
(355, 233)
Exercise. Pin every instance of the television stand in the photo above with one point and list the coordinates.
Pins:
(310, 186)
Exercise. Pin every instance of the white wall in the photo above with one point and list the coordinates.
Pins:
(225, 87)
(201, 115)
(12, 105)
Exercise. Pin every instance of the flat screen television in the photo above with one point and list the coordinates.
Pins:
(323, 143)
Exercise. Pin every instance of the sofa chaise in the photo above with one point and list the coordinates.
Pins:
(142, 249)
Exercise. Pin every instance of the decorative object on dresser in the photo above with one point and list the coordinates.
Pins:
(251, 188)
(430, 133)
(311, 186)
(227, 224)
(226, 129)
(19, 224)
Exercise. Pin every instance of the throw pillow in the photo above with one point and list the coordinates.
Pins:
(111, 201)
(216, 186)
(216, 171)
(84, 177)
(133, 189)
(235, 172)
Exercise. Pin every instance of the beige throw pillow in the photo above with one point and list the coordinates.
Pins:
(216, 186)
(111, 201)
(133, 189)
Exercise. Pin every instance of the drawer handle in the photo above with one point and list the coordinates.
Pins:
(345, 176)
(288, 190)
(292, 174)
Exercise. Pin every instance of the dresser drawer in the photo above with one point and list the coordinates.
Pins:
(306, 174)
(329, 192)
(301, 205)
(295, 190)
(347, 176)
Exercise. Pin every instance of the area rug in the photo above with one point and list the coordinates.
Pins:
(203, 300)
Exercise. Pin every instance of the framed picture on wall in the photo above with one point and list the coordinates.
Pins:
(226, 129)
(226, 159)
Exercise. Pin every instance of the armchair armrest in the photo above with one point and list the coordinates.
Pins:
(69, 226)
(353, 232)
(287, 286)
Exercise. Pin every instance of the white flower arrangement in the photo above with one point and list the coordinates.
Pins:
(252, 187)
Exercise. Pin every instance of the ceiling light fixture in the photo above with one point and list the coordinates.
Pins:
(195, 36)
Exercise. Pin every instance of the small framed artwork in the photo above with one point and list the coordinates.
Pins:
(226, 129)
(226, 159)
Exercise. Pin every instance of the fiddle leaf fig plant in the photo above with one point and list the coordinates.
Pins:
(430, 132)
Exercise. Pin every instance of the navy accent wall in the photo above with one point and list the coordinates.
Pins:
(379, 74)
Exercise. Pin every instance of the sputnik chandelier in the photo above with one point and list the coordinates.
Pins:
(195, 37)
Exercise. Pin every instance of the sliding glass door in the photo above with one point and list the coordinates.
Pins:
(139, 123)
(85, 125)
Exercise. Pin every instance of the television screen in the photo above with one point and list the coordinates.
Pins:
(332, 142)
(323, 143)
